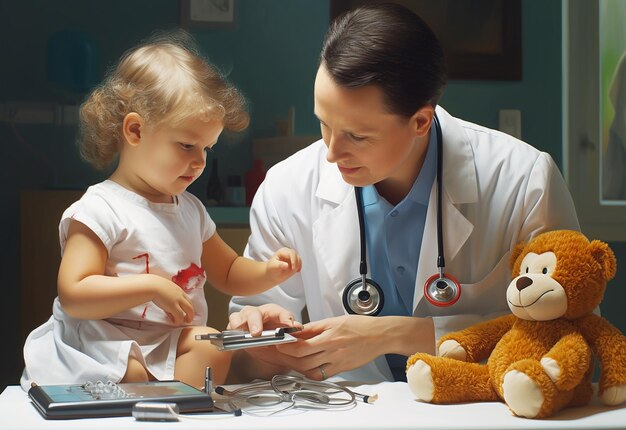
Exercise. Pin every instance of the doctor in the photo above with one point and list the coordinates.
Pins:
(381, 74)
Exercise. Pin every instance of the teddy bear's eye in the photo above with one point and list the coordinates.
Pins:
(526, 269)
(545, 270)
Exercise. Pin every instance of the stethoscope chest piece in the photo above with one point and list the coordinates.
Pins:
(442, 290)
(361, 300)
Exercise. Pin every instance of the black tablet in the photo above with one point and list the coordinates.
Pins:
(92, 400)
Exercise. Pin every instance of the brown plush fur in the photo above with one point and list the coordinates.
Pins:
(511, 343)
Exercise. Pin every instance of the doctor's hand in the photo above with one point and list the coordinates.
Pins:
(282, 265)
(337, 344)
(347, 342)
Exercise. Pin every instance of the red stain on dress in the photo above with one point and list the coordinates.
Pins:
(147, 257)
(190, 278)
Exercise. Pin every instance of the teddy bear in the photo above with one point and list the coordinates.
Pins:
(539, 358)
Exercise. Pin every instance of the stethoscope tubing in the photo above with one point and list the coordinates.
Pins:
(441, 261)
(297, 391)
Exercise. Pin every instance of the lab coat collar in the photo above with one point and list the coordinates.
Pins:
(331, 185)
(459, 170)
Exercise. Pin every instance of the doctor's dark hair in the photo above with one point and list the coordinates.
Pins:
(386, 45)
(165, 80)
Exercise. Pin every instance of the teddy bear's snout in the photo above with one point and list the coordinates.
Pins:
(523, 282)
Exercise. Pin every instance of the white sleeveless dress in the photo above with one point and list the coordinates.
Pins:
(141, 237)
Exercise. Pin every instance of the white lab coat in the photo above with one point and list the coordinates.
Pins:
(497, 191)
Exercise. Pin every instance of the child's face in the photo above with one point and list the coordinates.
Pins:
(169, 158)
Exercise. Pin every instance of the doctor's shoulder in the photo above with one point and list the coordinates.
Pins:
(495, 147)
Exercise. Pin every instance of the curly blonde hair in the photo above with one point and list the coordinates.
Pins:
(164, 79)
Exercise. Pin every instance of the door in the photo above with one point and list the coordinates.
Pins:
(594, 121)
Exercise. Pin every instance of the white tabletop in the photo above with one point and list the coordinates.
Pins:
(395, 409)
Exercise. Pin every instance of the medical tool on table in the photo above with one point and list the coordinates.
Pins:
(364, 296)
(287, 392)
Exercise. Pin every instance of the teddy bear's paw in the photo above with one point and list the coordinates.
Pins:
(420, 380)
(552, 368)
(614, 395)
(522, 394)
(452, 349)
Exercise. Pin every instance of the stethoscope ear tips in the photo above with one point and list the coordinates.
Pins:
(442, 290)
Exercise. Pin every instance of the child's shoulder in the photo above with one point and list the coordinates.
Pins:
(188, 199)
(98, 205)
(99, 211)
(95, 197)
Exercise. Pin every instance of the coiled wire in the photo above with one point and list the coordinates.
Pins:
(287, 392)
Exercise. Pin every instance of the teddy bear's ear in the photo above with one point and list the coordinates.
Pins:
(603, 254)
(516, 252)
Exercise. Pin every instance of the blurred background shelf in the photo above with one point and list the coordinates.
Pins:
(230, 215)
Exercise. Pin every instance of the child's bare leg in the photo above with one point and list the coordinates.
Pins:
(135, 372)
(193, 356)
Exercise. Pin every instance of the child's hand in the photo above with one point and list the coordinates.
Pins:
(174, 301)
(283, 264)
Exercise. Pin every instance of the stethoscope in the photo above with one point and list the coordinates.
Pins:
(285, 392)
(363, 296)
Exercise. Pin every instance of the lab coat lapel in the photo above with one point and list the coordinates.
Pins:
(456, 231)
(335, 235)
(459, 186)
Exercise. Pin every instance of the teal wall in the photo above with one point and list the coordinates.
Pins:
(537, 95)
(271, 55)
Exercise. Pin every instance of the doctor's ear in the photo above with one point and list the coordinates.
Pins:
(422, 120)
(132, 127)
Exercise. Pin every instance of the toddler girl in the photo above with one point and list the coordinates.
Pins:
(138, 248)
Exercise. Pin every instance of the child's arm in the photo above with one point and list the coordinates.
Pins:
(236, 275)
(86, 293)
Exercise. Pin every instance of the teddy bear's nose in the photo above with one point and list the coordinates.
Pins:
(523, 282)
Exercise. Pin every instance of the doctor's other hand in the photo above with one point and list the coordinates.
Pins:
(258, 318)
(283, 264)
(338, 344)
(344, 343)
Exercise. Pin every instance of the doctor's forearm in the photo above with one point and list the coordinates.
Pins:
(406, 335)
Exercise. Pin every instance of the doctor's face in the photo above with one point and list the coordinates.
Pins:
(369, 144)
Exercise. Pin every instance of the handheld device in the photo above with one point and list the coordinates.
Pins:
(237, 339)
